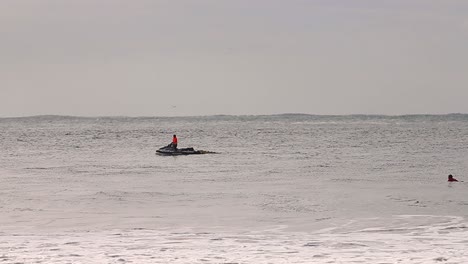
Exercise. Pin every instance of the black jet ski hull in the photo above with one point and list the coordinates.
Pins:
(170, 151)
(178, 152)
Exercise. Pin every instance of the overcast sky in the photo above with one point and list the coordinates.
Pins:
(206, 57)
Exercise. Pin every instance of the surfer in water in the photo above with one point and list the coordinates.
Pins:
(451, 178)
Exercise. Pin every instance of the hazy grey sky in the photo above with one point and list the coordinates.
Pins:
(203, 57)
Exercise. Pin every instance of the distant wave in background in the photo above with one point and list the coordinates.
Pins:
(296, 116)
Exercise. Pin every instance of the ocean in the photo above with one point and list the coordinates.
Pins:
(286, 188)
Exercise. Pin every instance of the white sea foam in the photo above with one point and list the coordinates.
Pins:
(401, 239)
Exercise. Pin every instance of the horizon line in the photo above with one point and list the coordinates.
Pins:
(226, 115)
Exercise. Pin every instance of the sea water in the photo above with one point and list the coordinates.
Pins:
(281, 189)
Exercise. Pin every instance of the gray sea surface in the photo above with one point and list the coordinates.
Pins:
(281, 189)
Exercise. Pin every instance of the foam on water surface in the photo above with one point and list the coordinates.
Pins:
(400, 239)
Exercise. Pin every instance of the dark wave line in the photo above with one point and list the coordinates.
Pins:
(458, 116)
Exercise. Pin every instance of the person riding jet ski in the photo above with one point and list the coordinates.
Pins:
(174, 142)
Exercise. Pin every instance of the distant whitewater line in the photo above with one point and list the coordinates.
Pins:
(293, 116)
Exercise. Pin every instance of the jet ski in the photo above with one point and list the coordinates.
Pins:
(169, 150)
